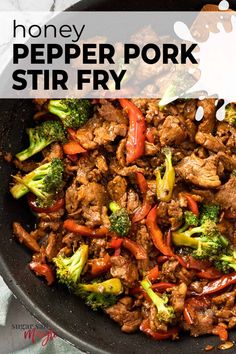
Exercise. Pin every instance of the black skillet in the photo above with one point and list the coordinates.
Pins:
(54, 306)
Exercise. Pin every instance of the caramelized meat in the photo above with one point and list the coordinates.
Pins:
(201, 172)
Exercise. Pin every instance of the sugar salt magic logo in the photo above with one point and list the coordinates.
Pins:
(99, 68)
(46, 335)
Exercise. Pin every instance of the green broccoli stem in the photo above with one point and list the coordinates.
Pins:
(113, 206)
(184, 239)
(56, 108)
(111, 286)
(157, 300)
(19, 190)
(165, 185)
(46, 181)
(165, 313)
(32, 150)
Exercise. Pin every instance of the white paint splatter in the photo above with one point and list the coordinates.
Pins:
(223, 5)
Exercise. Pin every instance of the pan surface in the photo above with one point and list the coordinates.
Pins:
(54, 306)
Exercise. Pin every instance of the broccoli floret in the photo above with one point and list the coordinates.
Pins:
(190, 220)
(165, 313)
(226, 262)
(100, 295)
(166, 183)
(42, 136)
(46, 181)
(119, 219)
(72, 112)
(230, 114)
(210, 242)
(69, 269)
(209, 212)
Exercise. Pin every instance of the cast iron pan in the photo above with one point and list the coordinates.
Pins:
(54, 306)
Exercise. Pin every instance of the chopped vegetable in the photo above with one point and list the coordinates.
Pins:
(135, 145)
(190, 220)
(217, 285)
(119, 219)
(83, 230)
(192, 204)
(209, 244)
(100, 295)
(137, 250)
(230, 114)
(69, 269)
(46, 182)
(209, 212)
(43, 270)
(98, 266)
(153, 273)
(165, 313)
(156, 233)
(158, 335)
(32, 201)
(142, 211)
(42, 136)
(166, 183)
(72, 112)
(226, 262)
(72, 148)
(115, 242)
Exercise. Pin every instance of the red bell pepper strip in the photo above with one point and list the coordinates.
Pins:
(162, 286)
(192, 204)
(137, 251)
(98, 266)
(221, 331)
(115, 242)
(83, 230)
(181, 261)
(153, 273)
(43, 270)
(156, 233)
(197, 264)
(142, 211)
(135, 146)
(141, 182)
(58, 204)
(217, 285)
(157, 335)
(204, 268)
(73, 147)
(210, 273)
(189, 262)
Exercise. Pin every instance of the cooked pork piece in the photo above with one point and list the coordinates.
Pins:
(226, 195)
(201, 172)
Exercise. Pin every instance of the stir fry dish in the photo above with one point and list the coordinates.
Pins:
(136, 210)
